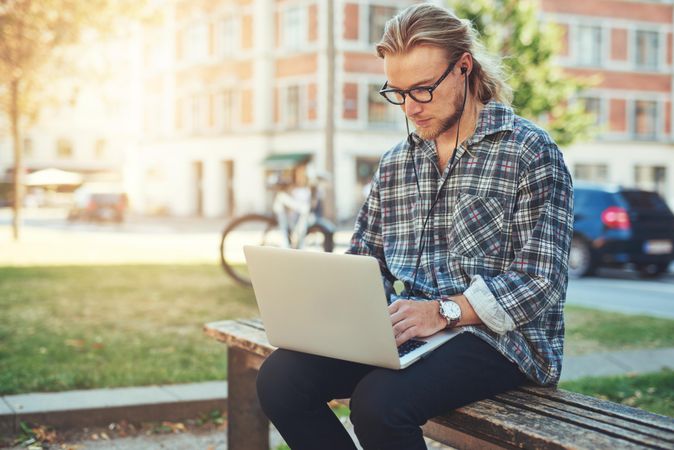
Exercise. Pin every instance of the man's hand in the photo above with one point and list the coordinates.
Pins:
(412, 319)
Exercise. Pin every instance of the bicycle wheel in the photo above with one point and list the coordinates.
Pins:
(319, 238)
(251, 229)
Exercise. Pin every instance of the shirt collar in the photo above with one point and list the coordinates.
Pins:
(493, 118)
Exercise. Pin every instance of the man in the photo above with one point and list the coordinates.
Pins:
(473, 214)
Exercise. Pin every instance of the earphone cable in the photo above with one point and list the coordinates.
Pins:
(422, 241)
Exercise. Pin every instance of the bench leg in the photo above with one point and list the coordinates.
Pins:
(247, 426)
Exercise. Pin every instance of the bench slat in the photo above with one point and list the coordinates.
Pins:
(604, 407)
(501, 422)
(592, 420)
(240, 335)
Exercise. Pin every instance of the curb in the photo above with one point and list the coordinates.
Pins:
(99, 407)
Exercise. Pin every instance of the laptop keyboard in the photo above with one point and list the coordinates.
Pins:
(409, 346)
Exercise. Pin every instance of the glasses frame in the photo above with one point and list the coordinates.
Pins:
(405, 92)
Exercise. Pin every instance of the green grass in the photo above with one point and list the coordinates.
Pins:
(64, 328)
(591, 331)
(653, 392)
(79, 327)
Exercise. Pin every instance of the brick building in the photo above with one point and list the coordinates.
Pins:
(629, 45)
(229, 82)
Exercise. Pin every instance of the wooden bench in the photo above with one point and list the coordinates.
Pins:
(530, 417)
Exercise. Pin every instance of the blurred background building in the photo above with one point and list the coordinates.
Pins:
(629, 44)
(227, 83)
(89, 127)
(214, 87)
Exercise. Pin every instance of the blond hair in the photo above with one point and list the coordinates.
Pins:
(427, 24)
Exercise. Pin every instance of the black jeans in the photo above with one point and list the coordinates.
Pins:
(388, 407)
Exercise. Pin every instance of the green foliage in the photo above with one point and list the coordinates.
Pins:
(653, 392)
(36, 38)
(513, 30)
(283, 446)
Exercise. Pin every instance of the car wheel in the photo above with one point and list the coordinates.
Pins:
(652, 270)
(580, 258)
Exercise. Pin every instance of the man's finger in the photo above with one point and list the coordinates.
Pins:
(406, 335)
(402, 327)
(397, 317)
(393, 307)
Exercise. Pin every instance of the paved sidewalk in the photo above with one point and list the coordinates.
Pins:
(78, 409)
(617, 363)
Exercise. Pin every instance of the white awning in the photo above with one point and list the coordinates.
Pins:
(53, 177)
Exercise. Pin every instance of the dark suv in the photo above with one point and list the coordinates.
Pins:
(616, 226)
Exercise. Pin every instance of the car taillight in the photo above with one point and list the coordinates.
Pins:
(616, 218)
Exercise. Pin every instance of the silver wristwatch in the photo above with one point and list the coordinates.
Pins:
(450, 310)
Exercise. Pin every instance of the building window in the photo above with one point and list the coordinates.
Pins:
(379, 111)
(646, 54)
(592, 105)
(197, 42)
(179, 114)
(294, 28)
(197, 114)
(227, 105)
(100, 148)
(591, 172)
(377, 21)
(292, 119)
(64, 149)
(651, 178)
(228, 42)
(365, 170)
(645, 119)
(589, 49)
(28, 147)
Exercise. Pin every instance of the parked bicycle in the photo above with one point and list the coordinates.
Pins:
(296, 222)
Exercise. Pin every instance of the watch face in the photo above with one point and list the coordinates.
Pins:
(452, 309)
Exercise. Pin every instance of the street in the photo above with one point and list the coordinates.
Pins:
(623, 291)
(49, 239)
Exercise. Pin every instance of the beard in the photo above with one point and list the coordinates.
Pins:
(431, 133)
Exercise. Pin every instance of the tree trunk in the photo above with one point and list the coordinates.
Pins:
(18, 157)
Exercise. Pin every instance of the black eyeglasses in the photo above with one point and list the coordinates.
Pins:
(421, 94)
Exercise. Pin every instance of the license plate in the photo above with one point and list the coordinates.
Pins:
(658, 247)
(107, 213)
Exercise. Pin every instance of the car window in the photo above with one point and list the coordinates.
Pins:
(591, 199)
(107, 198)
(644, 201)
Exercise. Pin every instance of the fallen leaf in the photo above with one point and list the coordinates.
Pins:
(176, 427)
(77, 343)
(42, 434)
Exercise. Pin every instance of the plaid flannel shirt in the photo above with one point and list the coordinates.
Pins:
(500, 233)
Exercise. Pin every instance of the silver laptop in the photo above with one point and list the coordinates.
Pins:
(331, 305)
